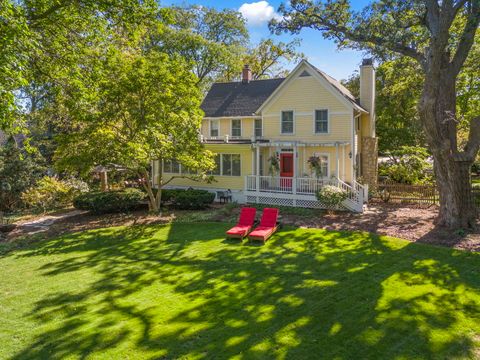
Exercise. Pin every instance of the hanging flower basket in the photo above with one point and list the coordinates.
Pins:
(274, 165)
(315, 164)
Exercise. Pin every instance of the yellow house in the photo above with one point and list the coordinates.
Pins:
(279, 140)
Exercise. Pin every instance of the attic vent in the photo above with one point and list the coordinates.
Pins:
(305, 73)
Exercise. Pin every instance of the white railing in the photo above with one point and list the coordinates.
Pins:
(303, 187)
(310, 185)
(285, 185)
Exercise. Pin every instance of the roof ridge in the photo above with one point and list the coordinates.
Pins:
(240, 81)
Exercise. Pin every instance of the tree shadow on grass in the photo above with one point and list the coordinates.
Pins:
(183, 291)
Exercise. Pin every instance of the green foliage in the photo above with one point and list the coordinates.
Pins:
(408, 165)
(189, 199)
(265, 58)
(476, 168)
(331, 196)
(212, 41)
(51, 193)
(19, 170)
(109, 201)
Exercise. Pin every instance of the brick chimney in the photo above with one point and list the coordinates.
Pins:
(246, 74)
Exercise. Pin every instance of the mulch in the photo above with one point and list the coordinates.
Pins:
(414, 223)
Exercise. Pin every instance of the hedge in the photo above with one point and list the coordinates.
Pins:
(109, 201)
(190, 199)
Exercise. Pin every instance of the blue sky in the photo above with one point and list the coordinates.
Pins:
(320, 52)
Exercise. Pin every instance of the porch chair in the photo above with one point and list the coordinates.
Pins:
(267, 226)
(244, 225)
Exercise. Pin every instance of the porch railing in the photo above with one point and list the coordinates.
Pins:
(291, 187)
(285, 185)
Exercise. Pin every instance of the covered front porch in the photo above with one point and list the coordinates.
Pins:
(282, 173)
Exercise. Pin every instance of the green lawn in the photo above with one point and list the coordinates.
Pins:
(183, 291)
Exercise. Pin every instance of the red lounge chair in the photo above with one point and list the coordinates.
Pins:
(267, 226)
(245, 223)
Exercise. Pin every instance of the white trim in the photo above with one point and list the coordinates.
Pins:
(353, 149)
(210, 128)
(231, 129)
(231, 117)
(315, 122)
(254, 135)
(294, 123)
(311, 113)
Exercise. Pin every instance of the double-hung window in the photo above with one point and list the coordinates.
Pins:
(217, 169)
(214, 128)
(321, 121)
(236, 128)
(230, 164)
(287, 122)
(258, 128)
(171, 166)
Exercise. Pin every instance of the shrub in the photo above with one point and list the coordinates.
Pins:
(110, 201)
(190, 199)
(407, 165)
(331, 196)
(19, 171)
(51, 193)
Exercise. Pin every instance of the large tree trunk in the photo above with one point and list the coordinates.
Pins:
(452, 167)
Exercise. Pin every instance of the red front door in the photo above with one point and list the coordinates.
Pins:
(286, 169)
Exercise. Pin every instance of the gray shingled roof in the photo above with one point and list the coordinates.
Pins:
(240, 99)
(237, 98)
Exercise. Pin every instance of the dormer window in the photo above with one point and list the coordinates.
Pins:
(214, 128)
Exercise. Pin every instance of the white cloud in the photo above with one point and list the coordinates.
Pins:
(258, 13)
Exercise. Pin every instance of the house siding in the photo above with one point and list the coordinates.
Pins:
(226, 127)
(293, 97)
(221, 182)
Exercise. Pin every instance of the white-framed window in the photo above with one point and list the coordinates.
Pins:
(287, 123)
(171, 166)
(324, 164)
(218, 166)
(227, 165)
(214, 128)
(321, 122)
(258, 128)
(236, 128)
(231, 165)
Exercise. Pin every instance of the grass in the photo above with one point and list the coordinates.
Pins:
(183, 291)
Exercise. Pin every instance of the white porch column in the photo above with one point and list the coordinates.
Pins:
(337, 162)
(257, 171)
(295, 172)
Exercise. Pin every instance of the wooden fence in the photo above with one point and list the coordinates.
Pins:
(417, 194)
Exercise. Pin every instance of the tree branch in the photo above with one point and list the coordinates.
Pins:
(49, 11)
(467, 39)
(363, 37)
(473, 144)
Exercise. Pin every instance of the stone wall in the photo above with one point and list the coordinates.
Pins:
(370, 161)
